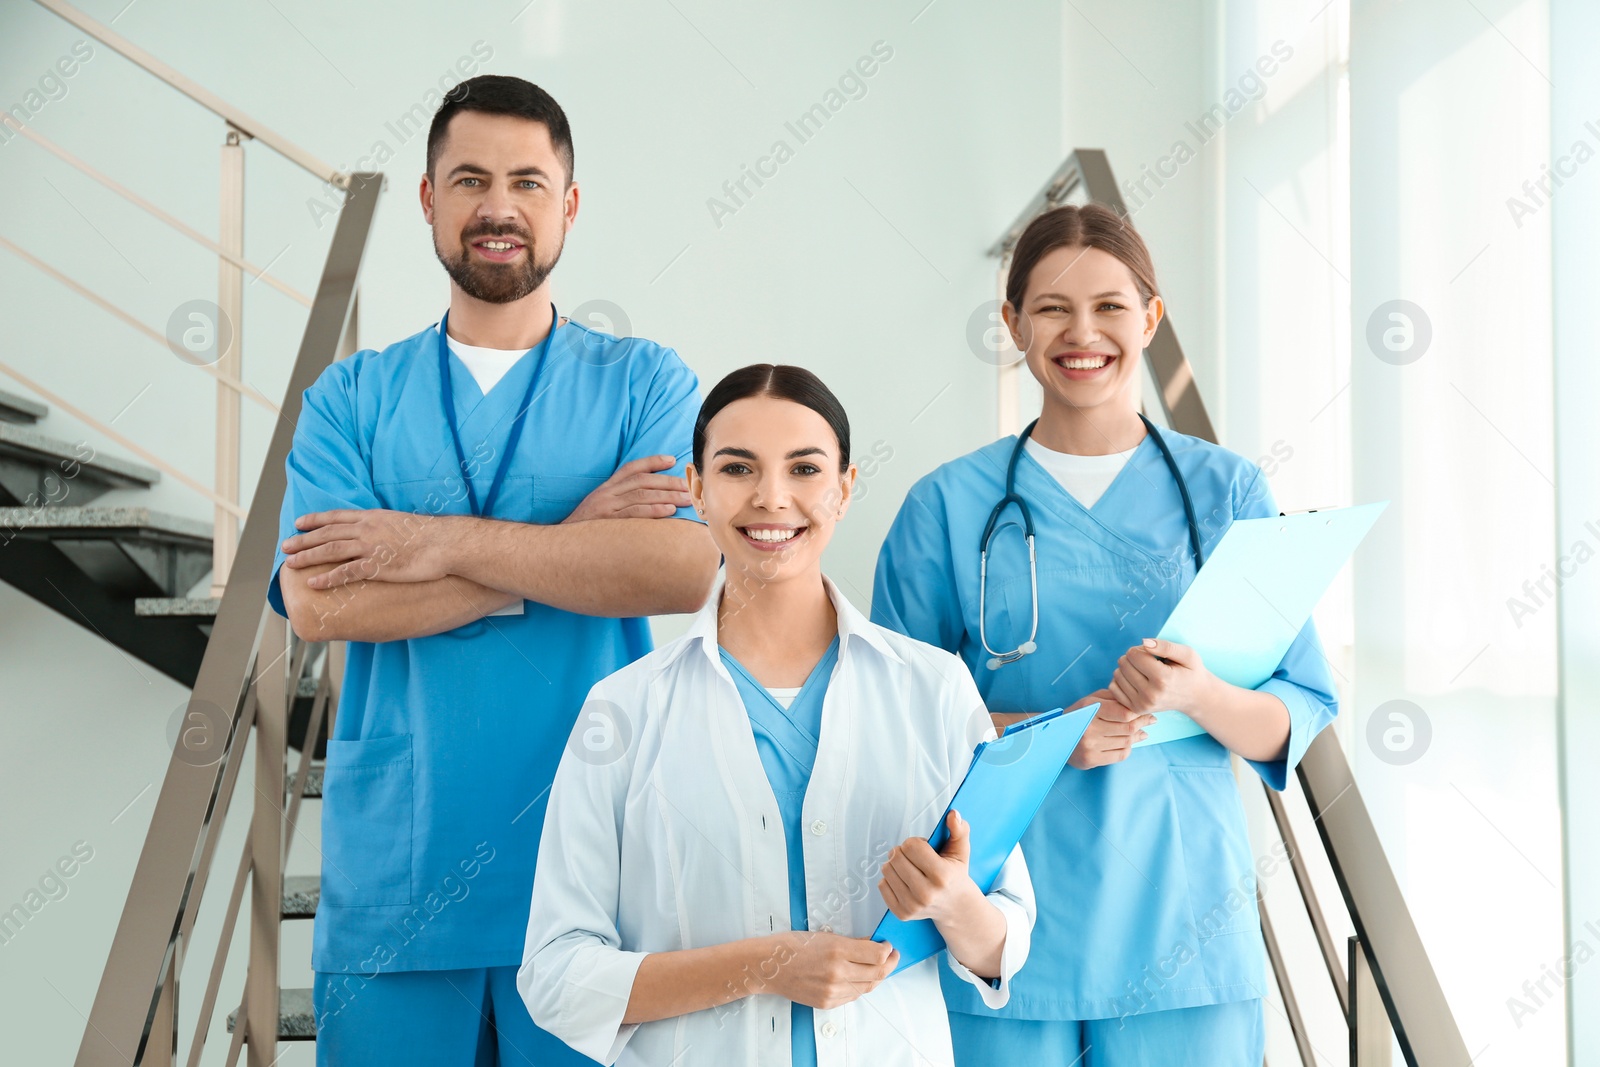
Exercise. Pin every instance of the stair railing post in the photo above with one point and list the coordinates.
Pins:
(162, 1048)
(267, 844)
(229, 334)
(1371, 1039)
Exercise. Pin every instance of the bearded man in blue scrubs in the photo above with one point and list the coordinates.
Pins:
(484, 511)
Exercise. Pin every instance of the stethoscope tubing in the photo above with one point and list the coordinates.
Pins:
(999, 659)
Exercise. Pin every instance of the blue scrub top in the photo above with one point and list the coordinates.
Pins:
(786, 739)
(444, 748)
(1146, 889)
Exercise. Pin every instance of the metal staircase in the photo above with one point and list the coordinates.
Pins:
(89, 563)
(189, 599)
(138, 566)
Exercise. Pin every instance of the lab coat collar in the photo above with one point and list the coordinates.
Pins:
(854, 627)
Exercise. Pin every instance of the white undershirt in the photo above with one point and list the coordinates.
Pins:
(488, 365)
(1084, 477)
(784, 697)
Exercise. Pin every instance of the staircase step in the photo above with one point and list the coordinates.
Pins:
(27, 445)
(200, 607)
(313, 780)
(296, 1022)
(300, 896)
(130, 550)
(63, 522)
(14, 408)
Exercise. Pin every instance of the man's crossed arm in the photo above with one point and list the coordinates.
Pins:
(356, 575)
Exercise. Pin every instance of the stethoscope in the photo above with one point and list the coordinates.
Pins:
(1000, 659)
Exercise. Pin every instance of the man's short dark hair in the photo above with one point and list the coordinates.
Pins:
(497, 94)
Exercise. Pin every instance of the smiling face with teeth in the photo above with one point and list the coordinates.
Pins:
(1084, 327)
(500, 203)
(772, 489)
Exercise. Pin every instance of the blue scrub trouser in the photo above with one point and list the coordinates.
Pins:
(1213, 1035)
(471, 1018)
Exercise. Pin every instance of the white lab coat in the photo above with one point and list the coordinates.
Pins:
(662, 833)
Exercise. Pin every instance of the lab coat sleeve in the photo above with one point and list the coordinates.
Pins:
(326, 467)
(1302, 681)
(663, 419)
(575, 977)
(914, 591)
(1012, 892)
(1012, 896)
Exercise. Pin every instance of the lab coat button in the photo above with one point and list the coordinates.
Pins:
(828, 1029)
(819, 827)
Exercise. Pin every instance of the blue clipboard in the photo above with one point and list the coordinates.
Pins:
(1005, 786)
(1247, 605)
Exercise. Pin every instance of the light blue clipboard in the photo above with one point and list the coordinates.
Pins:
(1005, 786)
(1254, 594)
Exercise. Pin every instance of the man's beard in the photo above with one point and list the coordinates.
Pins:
(496, 283)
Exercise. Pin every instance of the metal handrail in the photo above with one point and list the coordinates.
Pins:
(199, 94)
(229, 248)
(126, 442)
(257, 273)
(1308, 896)
(1390, 951)
(95, 298)
(170, 878)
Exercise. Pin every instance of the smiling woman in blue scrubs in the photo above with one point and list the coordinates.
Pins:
(1148, 945)
(734, 811)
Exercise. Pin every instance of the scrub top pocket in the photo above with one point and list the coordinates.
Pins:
(367, 822)
(1222, 888)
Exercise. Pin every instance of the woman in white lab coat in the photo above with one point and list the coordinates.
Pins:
(734, 811)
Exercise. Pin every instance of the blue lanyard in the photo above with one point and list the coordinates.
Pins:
(448, 393)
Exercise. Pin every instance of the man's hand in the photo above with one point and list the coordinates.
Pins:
(1111, 733)
(635, 491)
(375, 545)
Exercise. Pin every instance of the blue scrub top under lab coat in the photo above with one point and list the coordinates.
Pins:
(444, 748)
(787, 739)
(1143, 869)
